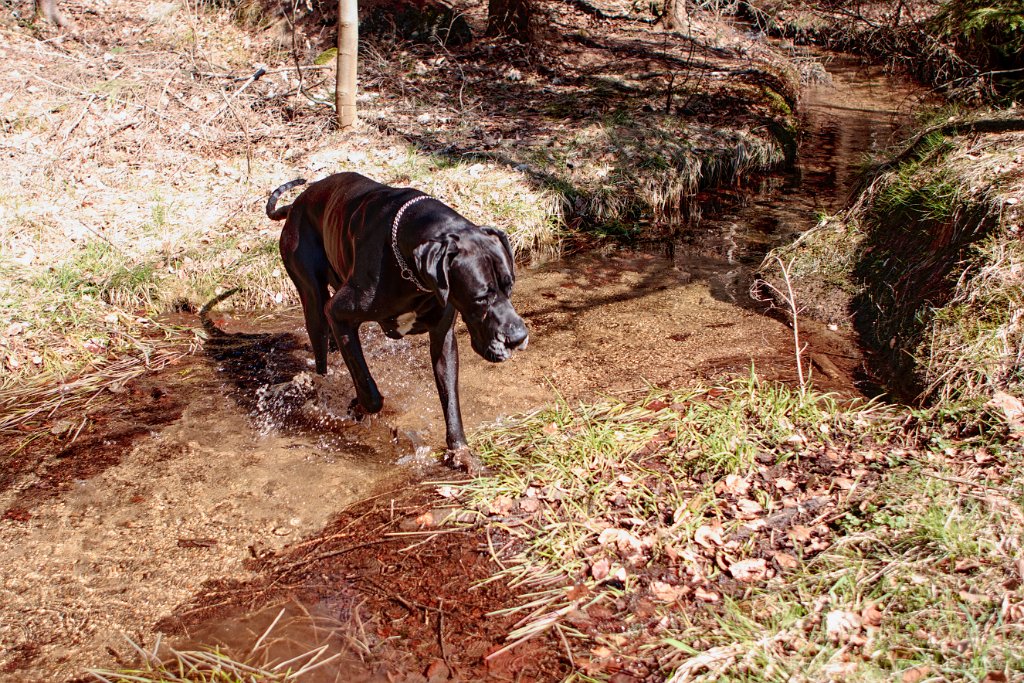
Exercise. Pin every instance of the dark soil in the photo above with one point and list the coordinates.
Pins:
(58, 460)
(417, 593)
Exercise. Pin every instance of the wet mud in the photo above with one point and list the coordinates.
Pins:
(220, 494)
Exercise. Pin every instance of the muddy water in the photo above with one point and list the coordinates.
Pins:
(853, 111)
(265, 453)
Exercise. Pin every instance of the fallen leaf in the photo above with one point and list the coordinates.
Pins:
(734, 484)
(1011, 407)
(748, 509)
(964, 566)
(437, 672)
(817, 545)
(749, 570)
(794, 441)
(706, 596)
(800, 533)
(995, 677)
(425, 520)
(709, 535)
(501, 506)
(983, 457)
(871, 616)
(664, 591)
(529, 504)
(973, 598)
(577, 592)
(916, 674)
(840, 625)
(785, 560)
(599, 570)
(784, 484)
(625, 542)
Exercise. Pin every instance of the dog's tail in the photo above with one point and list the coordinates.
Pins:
(279, 214)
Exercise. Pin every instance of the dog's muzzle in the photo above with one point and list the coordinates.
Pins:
(514, 337)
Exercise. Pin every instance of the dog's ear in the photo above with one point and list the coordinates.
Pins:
(433, 259)
(503, 238)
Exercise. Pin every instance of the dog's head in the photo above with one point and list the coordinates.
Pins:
(474, 271)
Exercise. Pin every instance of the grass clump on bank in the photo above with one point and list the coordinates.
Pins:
(621, 124)
(928, 263)
(756, 532)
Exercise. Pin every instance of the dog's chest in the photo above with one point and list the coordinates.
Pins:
(401, 325)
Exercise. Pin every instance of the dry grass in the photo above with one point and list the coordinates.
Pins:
(750, 532)
(139, 152)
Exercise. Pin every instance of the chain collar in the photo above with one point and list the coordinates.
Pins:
(406, 270)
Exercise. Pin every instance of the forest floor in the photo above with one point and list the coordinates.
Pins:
(153, 482)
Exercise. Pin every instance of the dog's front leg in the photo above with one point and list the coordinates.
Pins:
(444, 357)
(347, 336)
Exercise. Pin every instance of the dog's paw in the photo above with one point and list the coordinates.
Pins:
(463, 459)
(357, 411)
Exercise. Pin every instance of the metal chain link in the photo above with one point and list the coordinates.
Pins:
(407, 273)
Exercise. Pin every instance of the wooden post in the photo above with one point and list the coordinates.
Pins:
(348, 53)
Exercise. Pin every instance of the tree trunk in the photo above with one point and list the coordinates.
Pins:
(509, 18)
(348, 52)
(675, 16)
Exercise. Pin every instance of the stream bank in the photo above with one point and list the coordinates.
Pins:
(927, 263)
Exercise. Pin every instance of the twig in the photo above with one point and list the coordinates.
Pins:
(789, 298)
(333, 553)
(266, 633)
(968, 482)
(440, 634)
(78, 121)
(245, 131)
(249, 81)
(565, 643)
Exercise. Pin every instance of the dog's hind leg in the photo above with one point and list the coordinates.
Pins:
(316, 324)
(347, 335)
(309, 270)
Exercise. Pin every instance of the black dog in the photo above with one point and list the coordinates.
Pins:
(405, 260)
